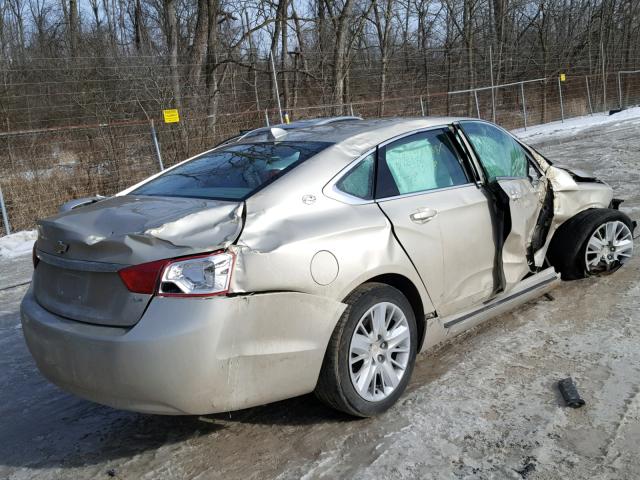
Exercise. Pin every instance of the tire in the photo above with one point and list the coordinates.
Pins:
(336, 385)
(568, 249)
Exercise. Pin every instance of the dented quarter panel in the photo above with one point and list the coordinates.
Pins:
(282, 234)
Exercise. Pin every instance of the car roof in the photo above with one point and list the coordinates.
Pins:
(308, 122)
(297, 124)
(363, 133)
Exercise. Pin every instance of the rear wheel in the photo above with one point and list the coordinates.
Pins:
(371, 353)
(594, 242)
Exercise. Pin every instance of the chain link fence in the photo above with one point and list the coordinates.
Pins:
(52, 153)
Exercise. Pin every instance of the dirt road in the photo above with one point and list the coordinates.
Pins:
(484, 406)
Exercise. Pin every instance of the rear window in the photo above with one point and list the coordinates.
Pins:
(231, 173)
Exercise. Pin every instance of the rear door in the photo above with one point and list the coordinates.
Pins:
(517, 189)
(439, 216)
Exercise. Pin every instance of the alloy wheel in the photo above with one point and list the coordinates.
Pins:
(610, 246)
(379, 351)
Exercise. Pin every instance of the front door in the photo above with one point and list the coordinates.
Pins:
(517, 190)
(439, 216)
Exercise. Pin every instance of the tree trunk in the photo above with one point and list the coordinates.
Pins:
(339, 56)
(253, 61)
(212, 65)
(171, 32)
(301, 48)
(283, 54)
(73, 27)
(139, 29)
(198, 50)
(469, 41)
(383, 29)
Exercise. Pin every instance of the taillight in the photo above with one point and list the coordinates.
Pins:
(34, 256)
(142, 278)
(198, 275)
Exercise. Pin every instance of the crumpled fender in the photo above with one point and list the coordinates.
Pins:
(571, 197)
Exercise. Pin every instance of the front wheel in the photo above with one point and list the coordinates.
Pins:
(594, 242)
(371, 353)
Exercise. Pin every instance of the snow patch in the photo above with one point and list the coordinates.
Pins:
(17, 244)
(571, 126)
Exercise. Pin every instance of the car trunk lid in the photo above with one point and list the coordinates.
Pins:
(81, 251)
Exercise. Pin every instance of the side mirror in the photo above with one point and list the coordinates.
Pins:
(79, 202)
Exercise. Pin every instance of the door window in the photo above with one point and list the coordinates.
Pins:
(417, 163)
(359, 181)
(499, 153)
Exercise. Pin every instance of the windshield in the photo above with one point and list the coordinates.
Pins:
(231, 173)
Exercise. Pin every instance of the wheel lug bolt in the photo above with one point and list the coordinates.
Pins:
(383, 345)
(380, 358)
(609, 257)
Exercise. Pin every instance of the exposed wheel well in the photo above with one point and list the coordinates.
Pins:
(410, 291)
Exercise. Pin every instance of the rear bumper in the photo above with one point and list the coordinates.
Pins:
(188, 356)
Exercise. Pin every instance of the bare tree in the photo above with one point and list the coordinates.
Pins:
(171, 33)
(383, 14)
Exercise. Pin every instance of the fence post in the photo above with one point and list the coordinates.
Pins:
(421, 106)
(524, 106)
(561, 104)
(275, 83)
(586, 79)
(351, 108)
(5, 217)
(475, 94)
(156, 145)
(266, 117)
(619, 91)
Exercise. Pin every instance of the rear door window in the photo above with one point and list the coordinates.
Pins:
(231, 173)
(421, 162)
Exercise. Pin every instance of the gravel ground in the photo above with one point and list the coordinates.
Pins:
(482, 406)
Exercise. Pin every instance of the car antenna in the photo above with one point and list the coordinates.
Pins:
(276, 133)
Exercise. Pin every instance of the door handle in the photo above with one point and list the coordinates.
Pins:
(423, 215)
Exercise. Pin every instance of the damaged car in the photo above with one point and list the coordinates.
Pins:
(314, 259)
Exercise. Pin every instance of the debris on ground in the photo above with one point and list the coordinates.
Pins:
(570, 393)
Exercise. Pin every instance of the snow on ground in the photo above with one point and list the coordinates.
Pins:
(571, 126)
(16, 244)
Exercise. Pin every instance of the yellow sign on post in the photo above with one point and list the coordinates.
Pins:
(171, 116)
(563, 77)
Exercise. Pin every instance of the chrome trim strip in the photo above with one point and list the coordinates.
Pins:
(81, 265)
(497, 303)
